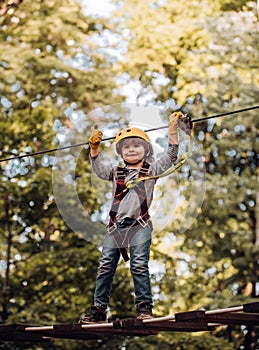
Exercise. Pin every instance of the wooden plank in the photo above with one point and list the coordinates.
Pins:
(100, 329)
(252, 307)
(127, 323)
(63, 331)
(181, 326)
(25, 337)
(200, 314)
(191, 321)
(159, 324)
(234, 318)
(190, 316)
(17, 332)
(225, 311)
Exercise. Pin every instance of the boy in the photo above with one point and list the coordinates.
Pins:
(130, 224)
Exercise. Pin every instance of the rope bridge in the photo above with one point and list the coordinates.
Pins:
(192, 321)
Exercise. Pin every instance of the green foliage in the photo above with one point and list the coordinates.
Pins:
(201, 52)
(198, 341)
(50, 68)
(53, 58)
(53, 65)
(205, 62)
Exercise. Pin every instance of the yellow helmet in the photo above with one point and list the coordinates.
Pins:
(134, 132)
(131, 132)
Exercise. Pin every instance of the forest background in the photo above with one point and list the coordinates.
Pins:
(57, 64)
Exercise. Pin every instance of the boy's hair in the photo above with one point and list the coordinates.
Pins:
(149, 153)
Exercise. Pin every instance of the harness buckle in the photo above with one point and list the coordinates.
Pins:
(142, 222)
(112, 228)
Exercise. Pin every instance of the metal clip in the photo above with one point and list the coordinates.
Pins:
(112, 228)
(142, 222)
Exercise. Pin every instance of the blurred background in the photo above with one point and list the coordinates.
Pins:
(60, 60)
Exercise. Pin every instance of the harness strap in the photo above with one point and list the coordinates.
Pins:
(135, 182)
(122, 240)
(120, 193)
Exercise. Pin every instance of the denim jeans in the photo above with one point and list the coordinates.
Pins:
(139, 257)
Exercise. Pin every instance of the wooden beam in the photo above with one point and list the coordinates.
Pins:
(191, 321)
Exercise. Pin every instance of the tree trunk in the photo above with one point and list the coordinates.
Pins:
(5, 300)
(256, 247)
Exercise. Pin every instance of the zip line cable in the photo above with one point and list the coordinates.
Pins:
(177, 166)
(113, 137)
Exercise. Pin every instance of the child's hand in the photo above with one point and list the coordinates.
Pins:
(185, 124)
(173, 122)
(95, 139)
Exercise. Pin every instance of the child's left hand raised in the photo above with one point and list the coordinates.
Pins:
(173, 122)
(178, 119)
(185, 124)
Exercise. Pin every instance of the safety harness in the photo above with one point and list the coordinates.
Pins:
(185, 157)
(122, 240)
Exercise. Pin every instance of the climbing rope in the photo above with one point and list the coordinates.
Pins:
(135, 182)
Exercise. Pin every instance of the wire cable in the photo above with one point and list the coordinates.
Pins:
(113, 137)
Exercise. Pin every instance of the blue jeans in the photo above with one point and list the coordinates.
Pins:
(139, 257)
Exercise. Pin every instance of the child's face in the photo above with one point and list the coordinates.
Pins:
(132, 150)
